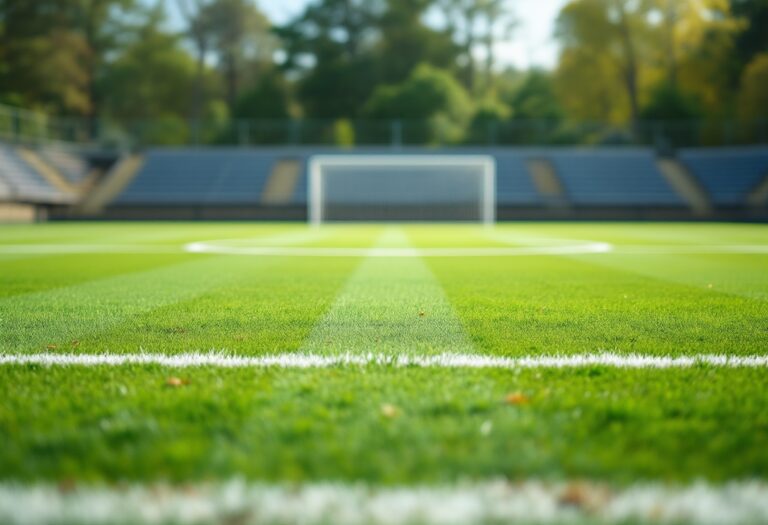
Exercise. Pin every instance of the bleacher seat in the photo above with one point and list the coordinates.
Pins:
(23, 183)
(727, 174)
(199, 177)
(513, 183)
(72, 166)
(626, 177)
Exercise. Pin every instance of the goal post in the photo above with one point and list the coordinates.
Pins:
(357, 187)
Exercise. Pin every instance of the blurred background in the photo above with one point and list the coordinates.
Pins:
(85, 84)
(344, 72)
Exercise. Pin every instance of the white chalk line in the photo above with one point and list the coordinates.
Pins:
(214, 247)
(313, 360)
(54, 249)
(496, 502)
(211, 247)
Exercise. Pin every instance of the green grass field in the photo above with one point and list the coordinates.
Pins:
(515, 290)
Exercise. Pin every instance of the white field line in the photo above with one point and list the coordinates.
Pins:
(53, 249)
(214, 247)
(496, 502)
(311, 360)
(211, 247)
(694, 249)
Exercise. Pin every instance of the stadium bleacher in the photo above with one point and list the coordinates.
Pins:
(200, 176)
(513, 183)
(727, 174)
(70, 165)
(588, 179)
(23, 183)
(624, 177)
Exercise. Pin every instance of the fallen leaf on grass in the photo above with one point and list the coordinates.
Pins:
(516, 398)
(176, 382)
(75, 343)
(388, 410)
(51, 347)
(584, 496)
(66, 486)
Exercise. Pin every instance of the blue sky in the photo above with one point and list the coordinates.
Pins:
(531, 45)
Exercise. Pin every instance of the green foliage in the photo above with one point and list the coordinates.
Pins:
(428, 94)
(239, 33)
(343, 133)
(619, 60)
(406, 41)
(490, 113)
(753, 98)
(332, 35)
(267, 99)
(151, 77)
(536, 99)
(165, 130)
(754, 38)
(668, 102)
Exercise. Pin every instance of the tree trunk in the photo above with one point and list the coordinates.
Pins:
(231, 75)
(630, 67)
(197, 100)
(670, 23)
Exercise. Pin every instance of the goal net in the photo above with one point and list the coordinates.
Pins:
(402, 188)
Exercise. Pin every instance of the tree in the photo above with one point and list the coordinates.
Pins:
(489, 114)
(463, 17)
(429, 95)
(617, 30)
(45, 60)
(668, 102)
(267, 99)
(753, 96)
(150, 78)
(330, 48)
(536, 98)
(406, 41)
(753, 39)
(698, 53)
(588, 89)
(99, 21)
(195, 13)
(239, 33)
(499, 22)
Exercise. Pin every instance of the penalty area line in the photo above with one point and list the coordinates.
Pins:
(446, 360)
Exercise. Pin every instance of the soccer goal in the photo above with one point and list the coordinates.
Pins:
(402, 188)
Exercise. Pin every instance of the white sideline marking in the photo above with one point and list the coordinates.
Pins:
(663, 249)
(212, 247)
(312, 360)
(45, 249)
(497, 502)
(285, 251)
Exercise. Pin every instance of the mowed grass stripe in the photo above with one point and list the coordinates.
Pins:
(561, 305)
(732, 274)
(390, 306)
(268, 306)
(59, 318)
